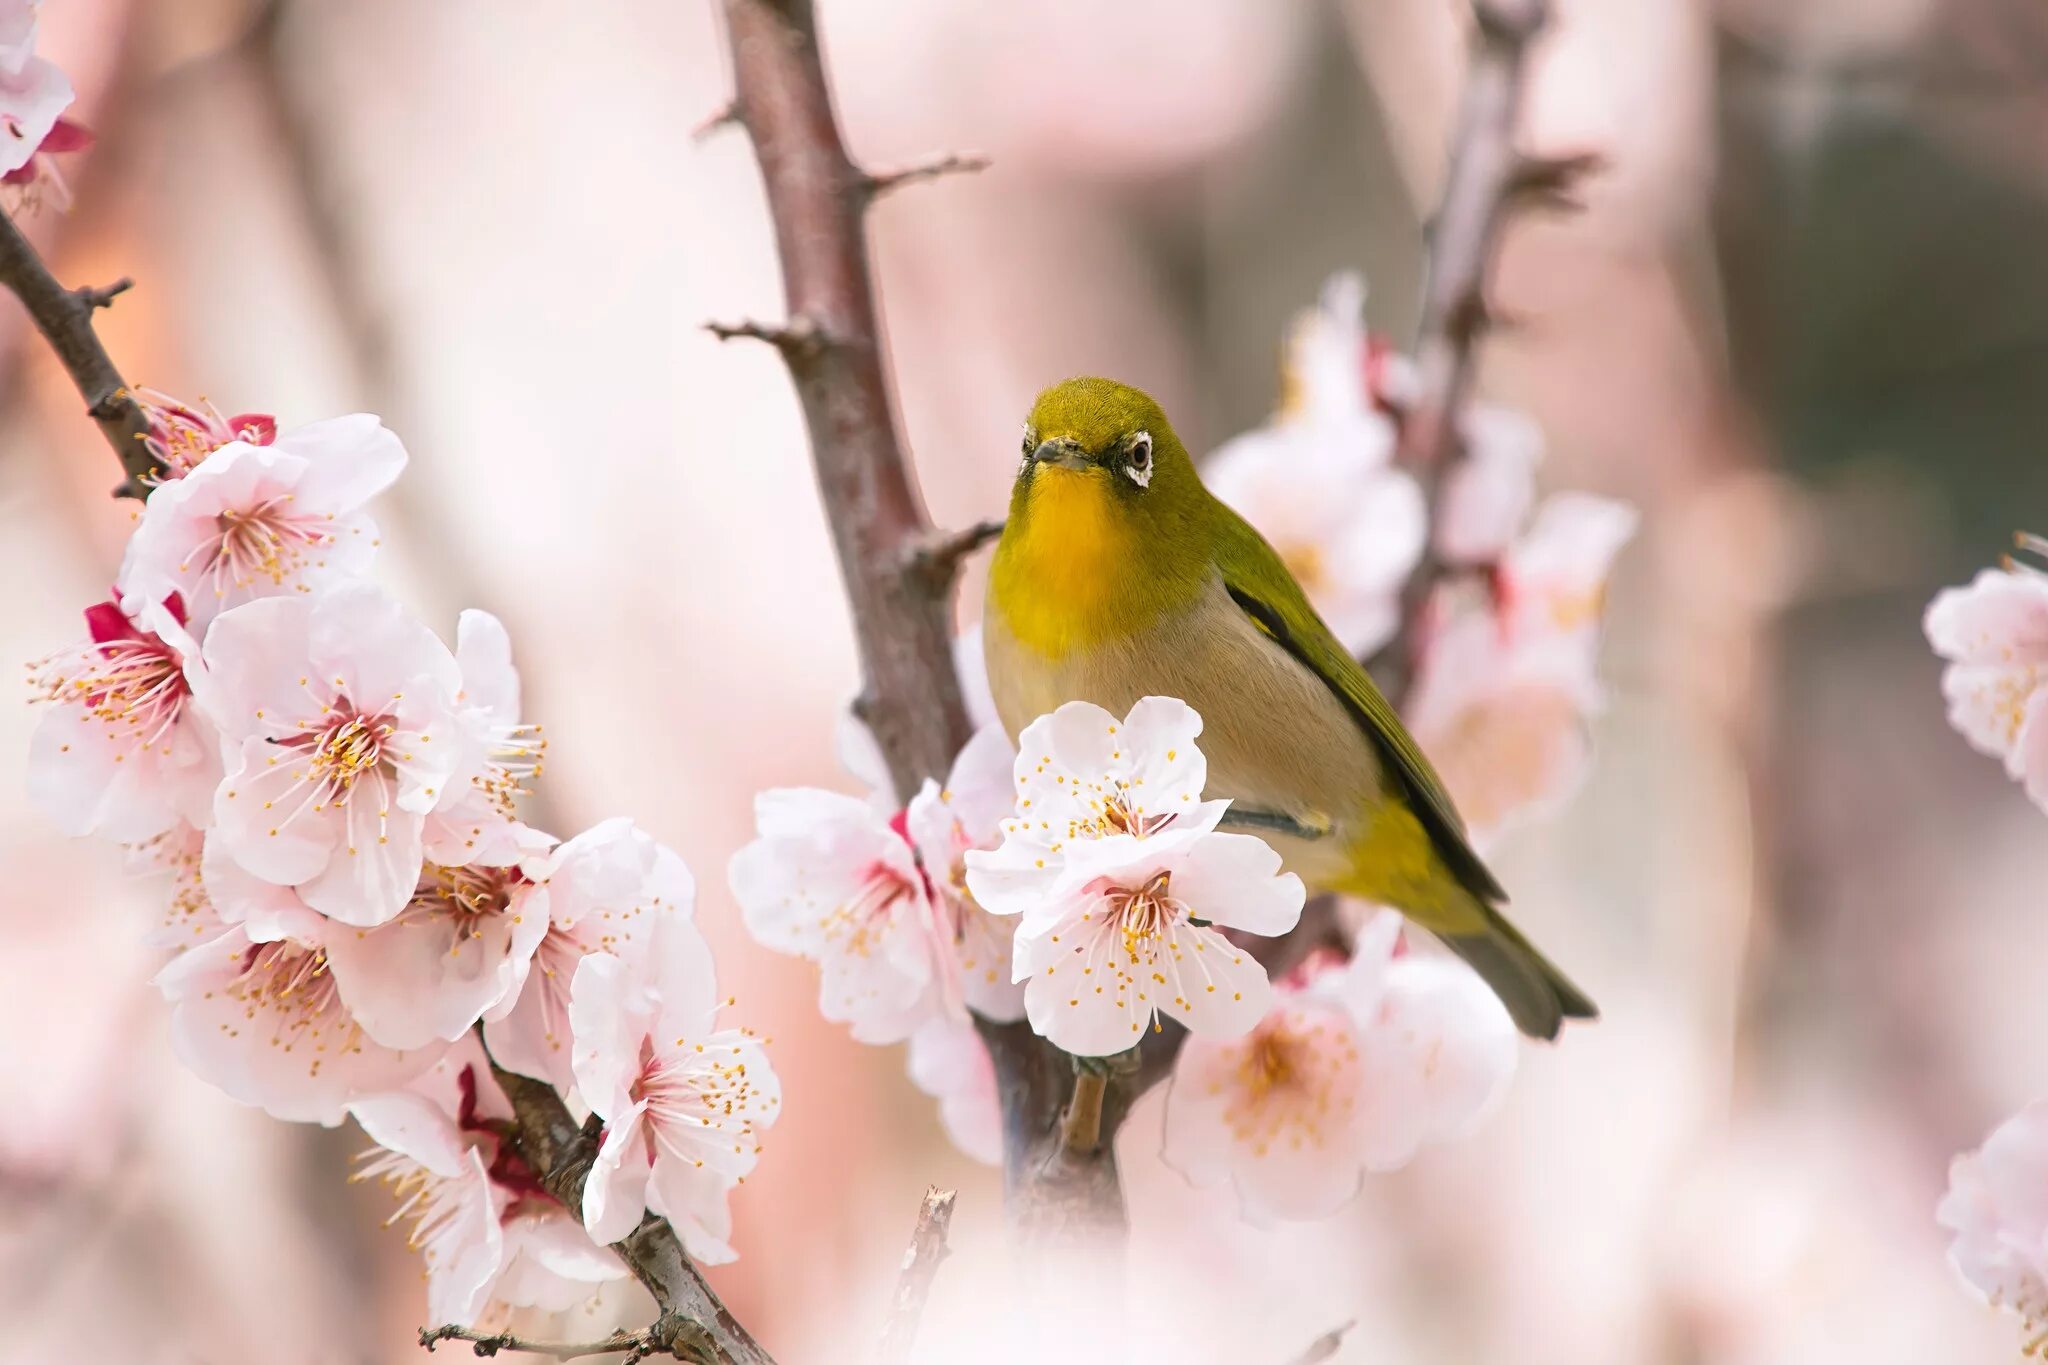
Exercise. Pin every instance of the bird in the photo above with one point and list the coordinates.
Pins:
(1119, 576)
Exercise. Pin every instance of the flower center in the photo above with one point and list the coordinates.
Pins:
(290, 982)
(1144, 916)
(468, 892)
(1294, 1077)
(267, 541)
(135, 687)
(342, 752)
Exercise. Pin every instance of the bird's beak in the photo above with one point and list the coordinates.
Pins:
(1060, 451)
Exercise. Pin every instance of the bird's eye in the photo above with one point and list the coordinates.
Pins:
(1138, 458)
(1030, 444)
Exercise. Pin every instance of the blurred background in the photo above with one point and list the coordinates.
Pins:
(1801, 323)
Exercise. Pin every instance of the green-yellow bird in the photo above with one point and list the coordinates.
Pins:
(1119, 576)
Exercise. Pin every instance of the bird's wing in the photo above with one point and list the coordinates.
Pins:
(1267, 592)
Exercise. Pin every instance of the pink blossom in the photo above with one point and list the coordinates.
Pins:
(123, 750)
(182, 434)
(254, 521)
(1354, 1069)
(829, 878)
(33, 92)
(1119, 878)
(606, 888)
(1489, 490)
(1997, 1207)
(1319, 483)
(489, 1232)
(949, 1062)
(174, 858)
(343, 733)
(1994, 635)
(684, 1102)
(457, 954)
(1506, 687)
(943, 823)
(40, 180)
(256, 1012)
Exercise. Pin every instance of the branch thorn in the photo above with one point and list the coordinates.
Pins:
(938, 555)
(798, 337)
(1552, 182)
(103, 296)
(725, 116)
(875, 184)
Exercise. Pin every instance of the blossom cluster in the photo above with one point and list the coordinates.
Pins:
(362, 924)
(1993, 636)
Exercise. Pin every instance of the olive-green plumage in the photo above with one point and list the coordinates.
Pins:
(1118, 576)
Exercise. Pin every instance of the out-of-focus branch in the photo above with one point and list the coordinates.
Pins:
(1489, 180)
(64, 317)
(694, 1324)
(899, 591)
(635, 1345)
(914, 1285)
(1324, 1347)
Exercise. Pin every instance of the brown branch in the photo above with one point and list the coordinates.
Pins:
(914, 1285)
(1323, 1347)
(64, 317)
(1489, 179)
(636, 1345)
(1081, 1123)
(902, 610)
(875, 184)
(939, 555)
(694, 1324)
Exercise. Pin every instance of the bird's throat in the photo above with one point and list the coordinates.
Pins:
(1070, 570)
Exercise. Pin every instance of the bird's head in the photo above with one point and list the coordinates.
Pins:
(1094, 448)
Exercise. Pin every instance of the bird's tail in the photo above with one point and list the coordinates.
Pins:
(1539, 997)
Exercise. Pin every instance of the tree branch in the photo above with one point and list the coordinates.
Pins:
(1324, 1347)
(694, 1324)
(914, 1285)
(1489, 179)
(636, 1345)
(899, 590)
(64, 317)
(875, 184)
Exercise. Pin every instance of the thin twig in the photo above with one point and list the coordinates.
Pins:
(1081, 1124)
(798, 337)
(635, 1344)
(875, 184)
(939, 555)
(64, 317)
(914, 1284)
(1325, 1346)
(902, 611)
(1488, 180)
(725, 116)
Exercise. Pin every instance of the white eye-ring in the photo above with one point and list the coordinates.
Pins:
(1138, 459)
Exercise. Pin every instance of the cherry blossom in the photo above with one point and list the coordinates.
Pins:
(1994, 635)
(488, 1230)
(33, 92)
(459, 951)
(684, 1102)
(256, 1012)
(1354, 1069)
(40, 179)
(829, 878)
(174, 858)
(343, 734)
(253, 521)
(1488, 491)
(1997, 1207)
(123, 750)
(1118, 875)
(1506, 686)
(949, 1062)
(606, 888)
(1319, 482)
(182, 434)
(943, 823)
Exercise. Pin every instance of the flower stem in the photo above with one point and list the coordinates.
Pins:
(1081, 1124)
